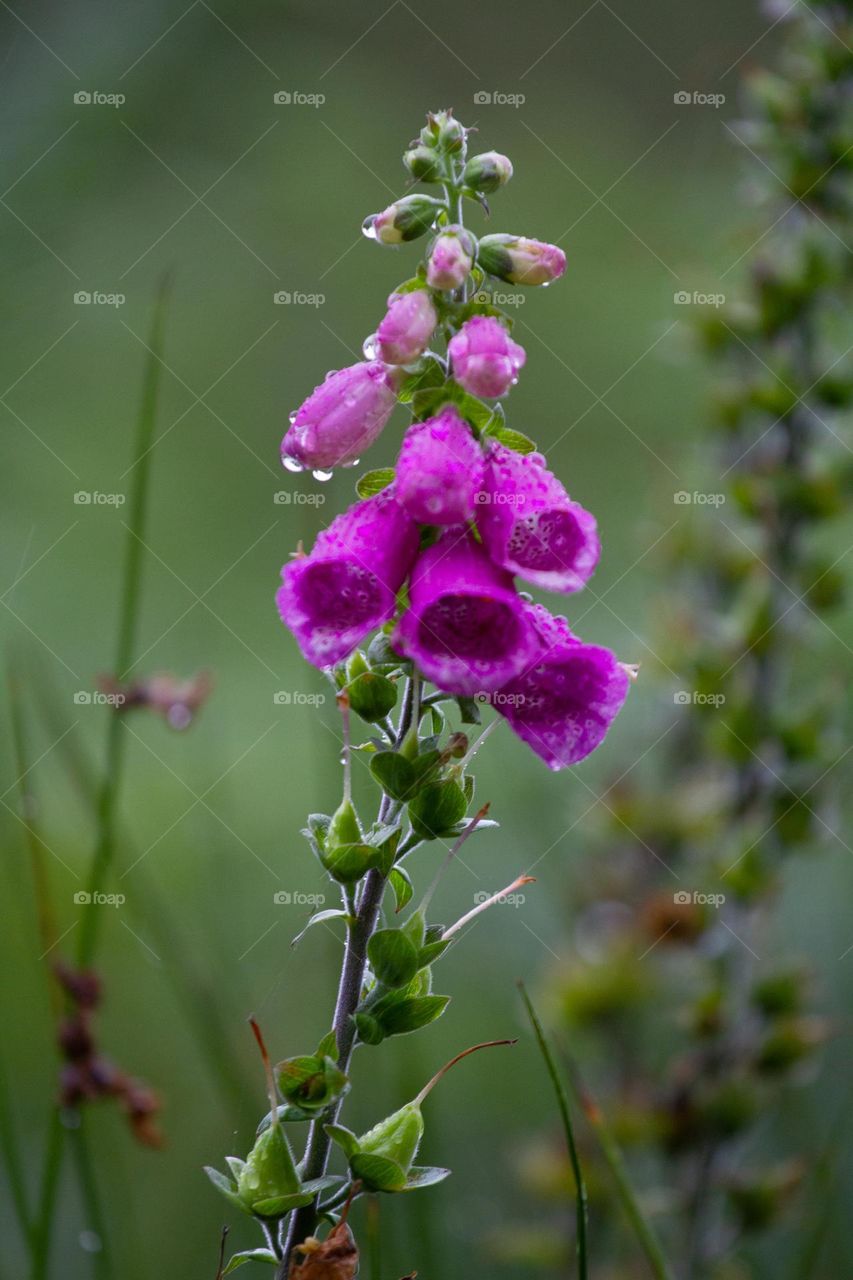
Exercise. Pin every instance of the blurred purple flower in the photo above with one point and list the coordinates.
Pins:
(530, 525)
(341, 418)
(466, 628)
(348, 584)
(564, 702)
(440, 470)
(485, 358)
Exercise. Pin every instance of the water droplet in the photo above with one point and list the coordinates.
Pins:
(370, 347)
(291, 417)
(353, 463)
(368, 229)
(291, 464)
(322, 476)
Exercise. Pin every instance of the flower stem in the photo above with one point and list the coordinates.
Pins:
(350, 987)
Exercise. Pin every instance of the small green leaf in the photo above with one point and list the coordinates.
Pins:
(424, 1176)
(469, 710)
(369, 1030)
(514, 440)
(393, 957)
(412, 1013)
(394, 774)
(373, 482)
(378, 1173)
(349, 862)
(402, 886)
(226, 1186)
(328, 1047)
(344, 1138)
(476, 412)
(250, 1255)
(332, 913)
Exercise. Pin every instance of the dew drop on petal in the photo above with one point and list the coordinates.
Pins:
(370, 347)
(292, 416)
(291, 464)
(322, 476)
(368, 229)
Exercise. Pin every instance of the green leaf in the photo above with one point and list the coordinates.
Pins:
(373, 482)
(394, 774)
(277, 1206)
(411, 1013)
(514, 440)
(402, 886)
(393, 957)
(250, 1255)
(226, 1186)
(425, 404)
(477, 412)
(378, 1173)
(415, 929)
(369, 1030)
(332, 913)
(328, 1046)
(469, 710)
(431, 952)
(424, 1176)
(343, 1137)
(430, 377)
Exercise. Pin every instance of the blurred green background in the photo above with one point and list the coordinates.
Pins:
(199, 171)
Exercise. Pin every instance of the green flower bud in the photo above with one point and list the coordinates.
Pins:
(396, 1138)
(372, 696)
(451, 135)
(406, 219)
(356, 665)
(487, 171)
(311, 1083)
(268, 1171)
(423, 164)
(437, 808)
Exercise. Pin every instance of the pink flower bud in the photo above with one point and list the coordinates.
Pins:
(408, 325)
(440, 470)
(451, 257)
(519, 260)
(485, 358)
(341, 418)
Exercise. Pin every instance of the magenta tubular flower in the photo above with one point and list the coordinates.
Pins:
(466, 628)
(529, 524)
(451, 257)
(341, 418)
(521, 261)
(485, 359)
(348, 585)
(440, 470)
(564, 702)
(408, 325)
